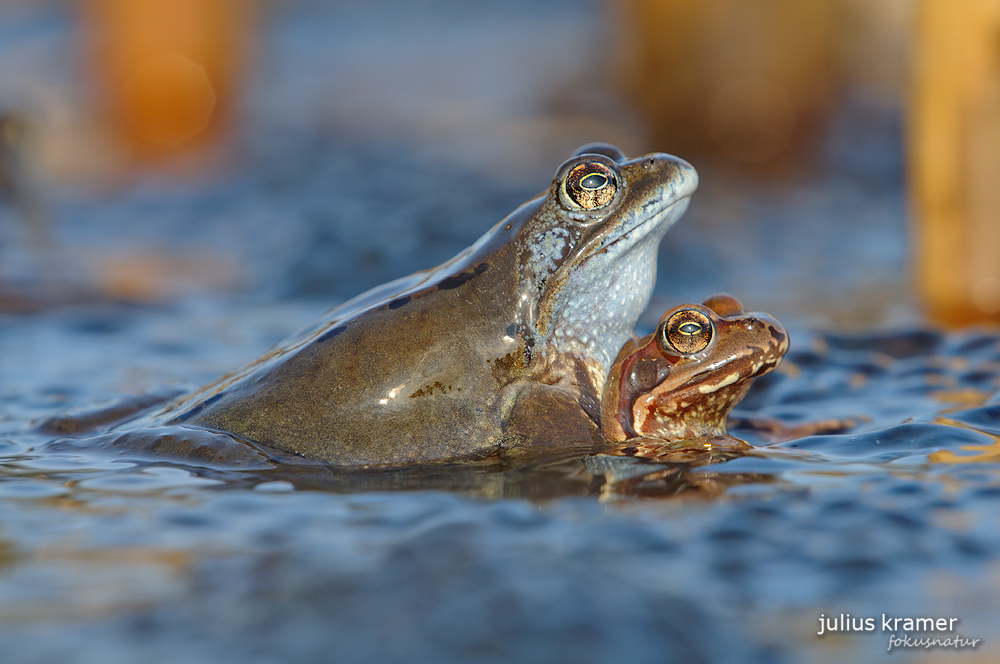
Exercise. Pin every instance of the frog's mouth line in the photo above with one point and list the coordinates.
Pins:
(653, 220)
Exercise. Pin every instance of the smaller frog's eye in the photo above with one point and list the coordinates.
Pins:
(588, 186)
(687, 332)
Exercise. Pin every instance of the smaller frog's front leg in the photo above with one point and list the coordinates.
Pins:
(546, 419)
(773, 430)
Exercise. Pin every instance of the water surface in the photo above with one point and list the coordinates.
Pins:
(109, 560)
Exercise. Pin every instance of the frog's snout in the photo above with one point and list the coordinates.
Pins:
(683, 177)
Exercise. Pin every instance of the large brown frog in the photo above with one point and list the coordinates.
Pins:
(682, 381)
(499, 354)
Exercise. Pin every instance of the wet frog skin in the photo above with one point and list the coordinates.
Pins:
(499, 354)
(683, 380)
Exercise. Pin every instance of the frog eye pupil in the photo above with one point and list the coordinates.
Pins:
(594, 181)
(689, 328)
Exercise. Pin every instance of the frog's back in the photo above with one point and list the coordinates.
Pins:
(335, 400)
(406, 380)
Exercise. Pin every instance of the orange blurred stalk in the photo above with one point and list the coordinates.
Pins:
(169, 67)
(748, 82)
(954, 138)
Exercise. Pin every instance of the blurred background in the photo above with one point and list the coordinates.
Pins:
(183, 183)
(162, 149)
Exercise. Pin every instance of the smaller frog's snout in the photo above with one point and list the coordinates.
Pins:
(778, 332)
(774, 331)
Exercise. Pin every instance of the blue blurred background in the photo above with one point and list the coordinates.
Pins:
(305, 149)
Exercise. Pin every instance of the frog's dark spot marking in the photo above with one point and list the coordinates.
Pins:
(510, 364)
(331, 334)
(397, 303)
(461, 278)
(456, 281)
(428, 390)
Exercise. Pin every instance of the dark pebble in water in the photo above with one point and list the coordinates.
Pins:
(867, 368)
(909, 370)
(977, 345)
(99, 322)
(979, 379)
(908, 489)
(731, 535)
(806, 358)
(843, 510)
(855, 570)
(988, 492)
(986, 418)
(901, 520)
(808, 395)
(904, 440)
(971, 547)
(897, 344)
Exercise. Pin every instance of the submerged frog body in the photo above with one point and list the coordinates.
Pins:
(683, 380)
(498, 354)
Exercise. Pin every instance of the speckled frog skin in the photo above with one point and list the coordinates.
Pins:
(499, 354)
(683, 380)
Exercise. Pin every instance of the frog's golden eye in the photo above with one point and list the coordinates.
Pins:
(588, 186)
(687, 332)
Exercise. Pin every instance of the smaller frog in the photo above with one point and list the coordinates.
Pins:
(683, 380)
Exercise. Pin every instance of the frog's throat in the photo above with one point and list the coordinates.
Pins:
(592, 308)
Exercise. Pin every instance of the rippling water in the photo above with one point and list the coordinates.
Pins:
(109, 560)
